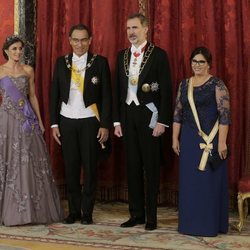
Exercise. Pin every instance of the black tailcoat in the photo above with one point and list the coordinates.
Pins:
(99, 93)
(78, 136)
(143, 151)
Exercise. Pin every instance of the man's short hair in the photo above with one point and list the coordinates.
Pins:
(142, 18)
(80, 26)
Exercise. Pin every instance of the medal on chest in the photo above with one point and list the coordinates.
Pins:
(136, 69)
(133, 80)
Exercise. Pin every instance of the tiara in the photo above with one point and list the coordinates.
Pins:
(12, 37)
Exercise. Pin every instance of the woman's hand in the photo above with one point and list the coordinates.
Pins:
(176, 146)
(222, 150)
(41, 126)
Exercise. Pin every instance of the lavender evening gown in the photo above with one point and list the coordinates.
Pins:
(28, 192)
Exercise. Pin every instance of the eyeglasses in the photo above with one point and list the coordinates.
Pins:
(200, 62)
(83, 40)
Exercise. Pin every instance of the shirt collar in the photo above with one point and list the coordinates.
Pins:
(134, 49)
(77, 58)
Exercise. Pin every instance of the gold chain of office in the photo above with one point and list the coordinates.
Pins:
(144, 60)
(78, 71)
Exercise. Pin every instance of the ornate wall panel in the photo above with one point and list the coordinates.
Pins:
(25, 26)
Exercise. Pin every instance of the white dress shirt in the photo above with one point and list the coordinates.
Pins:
(134, 69)
(75, 108)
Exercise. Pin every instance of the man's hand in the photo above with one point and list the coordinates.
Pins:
(103, 135)
(118, 131)
(56, 134)
(158, 130)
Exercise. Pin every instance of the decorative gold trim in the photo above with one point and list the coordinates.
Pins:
(242, 209)
(16, 17)
(143, 7)
(89, 64)
(146, 56)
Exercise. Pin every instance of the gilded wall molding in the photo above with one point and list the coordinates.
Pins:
(143, 7)
(247, 167)
(25, 27)
(16, 17)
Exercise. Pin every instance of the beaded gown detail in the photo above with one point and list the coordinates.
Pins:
(28, 192)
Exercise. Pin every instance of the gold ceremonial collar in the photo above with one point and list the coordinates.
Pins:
(146, 56)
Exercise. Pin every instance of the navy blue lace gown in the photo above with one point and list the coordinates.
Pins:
(203, 195)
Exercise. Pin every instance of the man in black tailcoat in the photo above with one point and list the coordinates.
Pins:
(80, 110)
(142, 111)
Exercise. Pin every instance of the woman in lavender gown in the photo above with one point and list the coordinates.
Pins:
(28, 192)
(203, 191)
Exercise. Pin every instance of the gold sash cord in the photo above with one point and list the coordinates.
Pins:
(79, 80)
(207, 146)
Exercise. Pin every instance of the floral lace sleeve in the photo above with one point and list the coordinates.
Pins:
(178, 107)
(223, 103)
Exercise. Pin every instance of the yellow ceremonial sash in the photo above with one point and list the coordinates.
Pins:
(77, 78)
(79, 83)
(207, 146)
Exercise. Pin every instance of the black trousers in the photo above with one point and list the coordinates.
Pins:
(143, 162)
(79, 148)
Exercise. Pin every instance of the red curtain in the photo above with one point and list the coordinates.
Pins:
(178, 27)
(7, 22)
(107, 20)
(222, 26)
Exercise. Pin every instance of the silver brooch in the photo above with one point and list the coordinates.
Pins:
(95, 80)
(154, 86)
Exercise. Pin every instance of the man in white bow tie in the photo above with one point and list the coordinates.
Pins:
(142, 111)
(80, 111)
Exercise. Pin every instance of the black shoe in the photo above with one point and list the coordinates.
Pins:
(133, 221)
(86, 220)
(150, 226)
(72, 218)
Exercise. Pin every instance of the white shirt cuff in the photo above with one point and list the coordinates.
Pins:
(116, 124)
(166, 126)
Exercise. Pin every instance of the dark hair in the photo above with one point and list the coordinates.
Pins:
(9, 41)
(142, 18)
(80, 26)
(203, 51)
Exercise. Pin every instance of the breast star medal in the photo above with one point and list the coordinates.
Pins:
(95, 80)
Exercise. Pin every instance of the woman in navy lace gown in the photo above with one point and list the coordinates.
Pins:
(203, 195)
(28, 192)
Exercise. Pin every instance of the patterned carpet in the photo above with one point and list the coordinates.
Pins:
(105, 233)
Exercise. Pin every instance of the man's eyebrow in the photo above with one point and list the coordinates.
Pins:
(133, 27)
